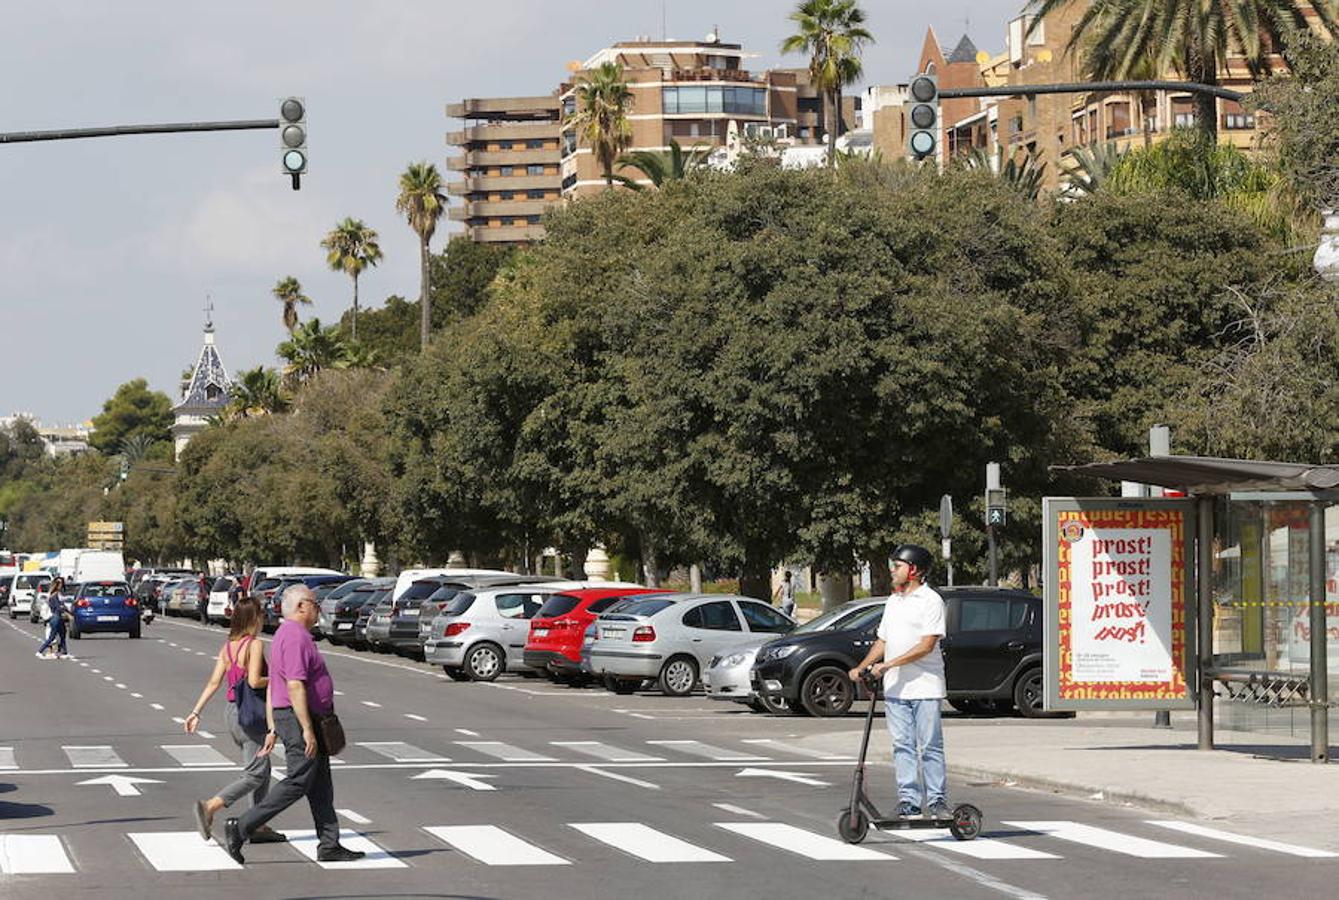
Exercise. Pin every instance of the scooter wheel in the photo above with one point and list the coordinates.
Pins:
(966, 824)
(852, 827)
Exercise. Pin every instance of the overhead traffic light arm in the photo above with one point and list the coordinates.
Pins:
(69, 134)
(1090, 87)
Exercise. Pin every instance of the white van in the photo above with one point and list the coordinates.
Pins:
(99, 565)
(409, 576)
(260, 573)
(67, 560)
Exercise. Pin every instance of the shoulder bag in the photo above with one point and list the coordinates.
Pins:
(329, 733)
(250, 707)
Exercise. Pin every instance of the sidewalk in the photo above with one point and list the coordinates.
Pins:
(1254, 784)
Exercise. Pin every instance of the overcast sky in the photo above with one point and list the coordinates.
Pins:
(109, 246)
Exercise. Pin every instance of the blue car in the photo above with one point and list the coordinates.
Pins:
(104, 606)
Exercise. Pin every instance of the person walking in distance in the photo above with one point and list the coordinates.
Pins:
(785, 594)
(56, 623)
(300, 690)
(240, 658)
(908, 657)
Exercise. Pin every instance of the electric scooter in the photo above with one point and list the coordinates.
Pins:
(854, 821)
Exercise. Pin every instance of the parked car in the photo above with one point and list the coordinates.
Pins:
(992, 657)
(557, 630)
(673, 642)
(176, 593)
(593, 632)
(36, 614)
(272, 604)
(481, 633)
(219, 608)
(377, 630)
(23, 590)
(103, 606)
(261, 573)
(364, 614)
(330, 596)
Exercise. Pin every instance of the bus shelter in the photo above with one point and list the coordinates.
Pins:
(1263, 609)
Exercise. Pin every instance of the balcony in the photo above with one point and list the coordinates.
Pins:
(476, 183)
(481, 134)
(513, 108)
(497, 208)
(520, 156)
(508, 234)
(707, 73)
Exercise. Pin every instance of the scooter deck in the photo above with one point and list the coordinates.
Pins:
(907, 823)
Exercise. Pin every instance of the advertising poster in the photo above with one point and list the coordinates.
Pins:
(1119, 594)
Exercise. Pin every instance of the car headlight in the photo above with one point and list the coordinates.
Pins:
(767, 654)
(733, 660)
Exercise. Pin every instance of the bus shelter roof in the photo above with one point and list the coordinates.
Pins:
(1210, 475)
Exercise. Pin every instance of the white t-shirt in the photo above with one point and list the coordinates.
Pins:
(906, 619)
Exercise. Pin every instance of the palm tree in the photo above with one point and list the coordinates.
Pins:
(601, 117)
(311, 349)
(351, 248)
(660, 166)
(1021, 172)
(256, 392)
(1192, 37)
(1090, 168)
(359, 356)
(832, 32)
(423, 203)
(289, 292)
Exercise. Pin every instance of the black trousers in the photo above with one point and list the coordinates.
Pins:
(306, 777)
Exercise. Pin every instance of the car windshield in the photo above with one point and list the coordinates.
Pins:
(557, 605)
(347, 588)
(106, 589)
(222, 585)
(419, 590)
(840, 618)
(266, 584)
(446, 592)
(459, 604)
(32, 581)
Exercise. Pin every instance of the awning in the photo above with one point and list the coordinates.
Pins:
(1212, 475)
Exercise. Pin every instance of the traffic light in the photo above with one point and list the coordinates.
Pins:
(923, 116)
(293, 137)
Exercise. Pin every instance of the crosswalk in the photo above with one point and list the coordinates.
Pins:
(717, 843)
(221, 754)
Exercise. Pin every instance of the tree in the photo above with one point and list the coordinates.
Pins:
(601, 117)
(1089, 168)
(422, 202)
(351, 248)
(256, 392)
(132, 410)
(832, 32)
(310, 349)
(1021, 172)
(288, 291)
(1194, 37)
(663, 166)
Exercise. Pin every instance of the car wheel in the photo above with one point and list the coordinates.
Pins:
(75, 633)
(777, 706)
(616, 685)
(1030, 696)
(678, 676)
(827, 691)
(485, 662)
(455, 673)
(134, 633)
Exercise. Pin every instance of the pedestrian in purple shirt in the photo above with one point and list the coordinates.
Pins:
(299, 690)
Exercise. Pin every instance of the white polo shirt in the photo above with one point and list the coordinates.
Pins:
(906, 619)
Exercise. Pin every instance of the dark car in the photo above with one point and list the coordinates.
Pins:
(364, 614)
(344, 610)
(272, 595)
(992, 656)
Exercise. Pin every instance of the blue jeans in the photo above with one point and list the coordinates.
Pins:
(55, 632)
(918, 737)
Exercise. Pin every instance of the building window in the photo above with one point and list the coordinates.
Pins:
(504, 145)
(534, 195)
(714, 99)
(533, 220)
(534, 169)
(569, 143)
(1239, 121)
(569, 106)
(535, 144)
(569, 181)
(507, 195)
(506, 171)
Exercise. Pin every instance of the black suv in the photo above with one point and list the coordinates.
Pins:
(992, 657)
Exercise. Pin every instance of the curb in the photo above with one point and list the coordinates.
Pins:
(1070, 789)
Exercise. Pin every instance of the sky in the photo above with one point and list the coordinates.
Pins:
(109, 247)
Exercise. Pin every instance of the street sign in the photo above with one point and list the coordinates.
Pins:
(106, 535)
(945, 516)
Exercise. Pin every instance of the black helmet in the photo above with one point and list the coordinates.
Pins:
(915, 556)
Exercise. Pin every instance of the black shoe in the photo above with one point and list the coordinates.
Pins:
(906, 809)
(233, 840)
(267, 835)
(339, 854)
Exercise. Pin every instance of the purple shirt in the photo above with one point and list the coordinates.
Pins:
(293, 656)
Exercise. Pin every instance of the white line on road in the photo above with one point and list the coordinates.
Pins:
(304, 841)
(402, 752)
(804, 843)
(179, 720)
(207, 735)
(792, 748)
(108, 678)
(356, 767)
(339, 693)
(196, 755)
(33, 854)
(354, 817)
(157, 706)
(372, 703)
(646, 843)
(467, 732)
(121, 686)
(1113, 840)
(697, 748)
(415, 718)
(980, 848)
(96, 671)
(98, 757)
(1245, 841)
(505, 752)
(626, 779)
(607, 752)
(738, 810)
(137, 696)
(7, 760)
(181, 851)
(492, 846)
(83, 665)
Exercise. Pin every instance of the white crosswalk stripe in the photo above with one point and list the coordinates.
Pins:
(100, 757)
(697, 748)
(182, 851)
(645, 842)
(197, 755)
(505, 752)
(401, 752)
(492, 846)
(1114, 841)
(7, 760)
(33, 854)
(771, 744)
(804, 843)
(607, 752)
(980, 848)
(1244, 840)
(304, 841)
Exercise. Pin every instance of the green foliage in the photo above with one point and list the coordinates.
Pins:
(288, 291)
(351, 247)
(1020, 171)
(1090, 168)
(423, 204)
(310, 349)
(601, 117)
(133, 410)
(662, 166)
(833, 34)
(256, 392)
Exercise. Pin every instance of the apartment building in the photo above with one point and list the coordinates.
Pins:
(691, 92)
(509, 158)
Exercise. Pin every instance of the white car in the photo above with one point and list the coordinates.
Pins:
(219, 608)
(24, 589)
(726, 676)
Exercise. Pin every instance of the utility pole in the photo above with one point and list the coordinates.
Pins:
(996, 515)
(1159, 444)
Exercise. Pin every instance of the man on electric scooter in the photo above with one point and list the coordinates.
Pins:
(907, 655)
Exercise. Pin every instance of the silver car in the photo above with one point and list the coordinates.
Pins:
(481, 633)
(326, 623)
(726, 677)
(673, 640)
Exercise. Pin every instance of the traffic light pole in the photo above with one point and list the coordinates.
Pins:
(1086, 87)
(70, 134)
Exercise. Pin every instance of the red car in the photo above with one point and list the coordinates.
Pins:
(554, 645)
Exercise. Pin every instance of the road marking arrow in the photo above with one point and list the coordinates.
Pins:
(796, 777)
(124, 785)
(464, 779)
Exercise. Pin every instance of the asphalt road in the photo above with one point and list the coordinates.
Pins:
(526, 789)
